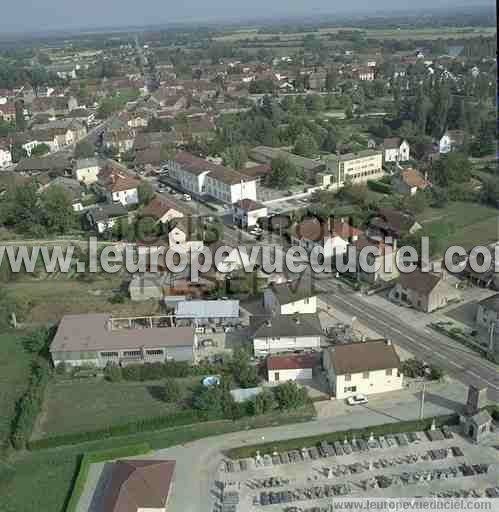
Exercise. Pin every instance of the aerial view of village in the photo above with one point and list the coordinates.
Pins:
(249, 256)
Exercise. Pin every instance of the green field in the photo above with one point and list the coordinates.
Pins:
(73, 406)
(465, 224)
(14, 374)
(389, 33)
(42, 481)
(47, 300)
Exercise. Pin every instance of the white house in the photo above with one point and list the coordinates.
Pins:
(333, 236)
(163, 209)
(286, 333)
(396, 150)
(289, 299)
(247, 212)
(179, 238)
(292, 367)
(201, 178)
(124, 190)
(86, 170)
(364, 367)
(450, 140)
(5, 155)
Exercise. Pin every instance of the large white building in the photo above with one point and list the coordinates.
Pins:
(354, 167)
(365, 367)
(203, 178)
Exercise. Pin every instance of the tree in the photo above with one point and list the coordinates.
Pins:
(262, 403)
(290, 396)
(20, 119)
(305, 145)
(84, 149)
(38, 341)
(171, 391)
(145, 193)
(242, 371)
(167, 152)
(283, 173)
(113, 373)
(40, 150)
(451, 168)
(235, 157)
(57, 209)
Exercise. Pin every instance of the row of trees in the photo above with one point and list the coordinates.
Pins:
(34, 213)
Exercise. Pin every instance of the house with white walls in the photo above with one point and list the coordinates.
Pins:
(290, 298)
(396, 150)
(286, 333)
(332, 236)
(367, 368)
(203, 178)
(292, 367)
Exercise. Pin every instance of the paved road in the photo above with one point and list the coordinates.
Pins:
(457, 360)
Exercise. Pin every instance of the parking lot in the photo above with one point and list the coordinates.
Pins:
(440, 463)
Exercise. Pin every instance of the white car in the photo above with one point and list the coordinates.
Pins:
(256, 231)
(357, 400)
(186, 197)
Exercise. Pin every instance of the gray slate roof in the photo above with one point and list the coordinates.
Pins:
(91, 333)
(286, 325)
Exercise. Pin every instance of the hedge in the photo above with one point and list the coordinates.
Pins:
(30, 404)
(379, 186)
(99, 456)
(183, 418)
(377, 430)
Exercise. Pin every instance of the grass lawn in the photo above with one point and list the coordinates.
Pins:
(73, 406)
(14, 374)
(49, 474)
(49, 299)
(465, 224)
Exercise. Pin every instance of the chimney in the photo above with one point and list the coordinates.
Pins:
(268, 322)
(297, 320)
(388, 342)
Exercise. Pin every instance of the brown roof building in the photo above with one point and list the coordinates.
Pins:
(365, 367)
(138, 485)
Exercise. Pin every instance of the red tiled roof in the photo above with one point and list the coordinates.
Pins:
(292, 361)
(138, 484)
(124, 183)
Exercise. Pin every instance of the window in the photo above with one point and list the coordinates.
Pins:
(365, 375)
(109, 354)
(158, 352)
(132, 353)
(351, 389)
(388, 372)
(348, 377)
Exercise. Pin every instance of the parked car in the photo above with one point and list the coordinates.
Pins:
(357, 399)
(186, 197)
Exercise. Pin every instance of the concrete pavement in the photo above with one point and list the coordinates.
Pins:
(458, 360)
(198, 462)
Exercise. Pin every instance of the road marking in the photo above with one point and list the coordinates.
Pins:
(418, 343)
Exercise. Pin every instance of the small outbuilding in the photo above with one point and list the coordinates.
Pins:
(291, 367)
